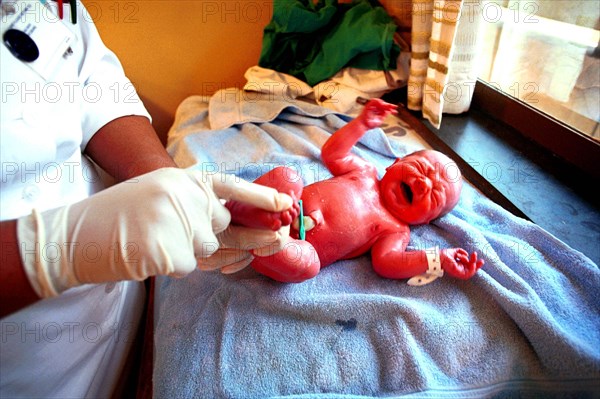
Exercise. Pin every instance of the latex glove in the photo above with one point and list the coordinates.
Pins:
(156, 224)
(230, 259)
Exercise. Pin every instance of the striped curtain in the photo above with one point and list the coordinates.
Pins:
(444, 45)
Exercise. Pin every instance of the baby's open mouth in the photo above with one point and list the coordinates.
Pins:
(408, 194)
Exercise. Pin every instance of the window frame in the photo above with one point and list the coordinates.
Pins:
(560, 139)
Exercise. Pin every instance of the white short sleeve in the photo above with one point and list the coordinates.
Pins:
(108, 93)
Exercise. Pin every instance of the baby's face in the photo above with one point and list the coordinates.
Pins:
(421, 186)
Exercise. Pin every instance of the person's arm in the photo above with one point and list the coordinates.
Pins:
(181, 219)
(336, 151)
(125, 147)
(128, 147)
(15, 290)
(391, 260)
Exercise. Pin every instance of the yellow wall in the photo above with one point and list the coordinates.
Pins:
(174, 49)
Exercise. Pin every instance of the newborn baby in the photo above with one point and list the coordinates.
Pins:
(354, 212)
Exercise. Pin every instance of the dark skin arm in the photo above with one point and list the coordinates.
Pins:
(128, 147)
(125, 147)
(15, 290)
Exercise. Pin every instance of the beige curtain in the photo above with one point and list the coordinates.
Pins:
(444, 47)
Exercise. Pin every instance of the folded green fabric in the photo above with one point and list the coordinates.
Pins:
(314, 41)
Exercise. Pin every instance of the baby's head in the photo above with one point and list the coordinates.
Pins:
(421, 186)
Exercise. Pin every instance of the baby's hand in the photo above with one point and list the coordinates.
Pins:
(375, 112)
(457, 263)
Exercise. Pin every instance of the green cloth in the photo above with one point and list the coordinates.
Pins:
(315, 41)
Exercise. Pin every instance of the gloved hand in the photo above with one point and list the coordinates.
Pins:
(156, 224)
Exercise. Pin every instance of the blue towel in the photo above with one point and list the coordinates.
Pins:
(528, 324)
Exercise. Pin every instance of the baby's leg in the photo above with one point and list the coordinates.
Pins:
(282, 179)
(296, 262)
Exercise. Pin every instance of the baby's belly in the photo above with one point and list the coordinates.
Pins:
(352, 220)
(342, 233)
(333, 244)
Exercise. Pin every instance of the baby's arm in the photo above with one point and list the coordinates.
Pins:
(391, 260)
(336, 152)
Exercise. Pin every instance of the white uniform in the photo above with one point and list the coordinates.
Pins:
(73, 345)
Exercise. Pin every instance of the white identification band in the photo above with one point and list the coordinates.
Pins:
(434, 269)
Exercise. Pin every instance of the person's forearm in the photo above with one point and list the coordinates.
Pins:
(128, 147)
(125, 147)
(336, 152)
(340, 144)
(15, 290)
(399, 265)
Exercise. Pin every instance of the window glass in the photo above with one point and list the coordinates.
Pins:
(545, 53)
